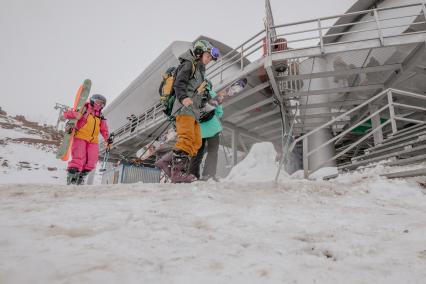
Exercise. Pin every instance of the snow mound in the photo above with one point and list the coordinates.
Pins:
(258, 166)
(324, 172)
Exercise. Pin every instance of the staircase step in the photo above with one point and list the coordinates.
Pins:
(392, 142)
(409, 152)
(403, 162)
(420, 141)
(405, 174)
(405, 130)
(403, 133)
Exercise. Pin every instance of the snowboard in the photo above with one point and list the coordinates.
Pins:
(80, 99)
(234, 88)
(166, 140)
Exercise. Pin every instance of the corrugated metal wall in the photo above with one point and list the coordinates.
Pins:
(132, 174)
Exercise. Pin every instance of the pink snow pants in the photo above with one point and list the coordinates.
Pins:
(84, 155)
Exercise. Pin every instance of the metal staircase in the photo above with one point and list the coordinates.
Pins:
(405, 145)
(276, 63)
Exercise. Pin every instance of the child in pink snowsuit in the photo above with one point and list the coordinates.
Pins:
(85, 149)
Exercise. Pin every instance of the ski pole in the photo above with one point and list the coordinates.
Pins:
(170, 120)
(106, 157)
(152, 143)
(110, 140)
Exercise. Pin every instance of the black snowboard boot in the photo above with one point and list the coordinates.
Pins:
(82, 176)
(72, 176)
(180, 168)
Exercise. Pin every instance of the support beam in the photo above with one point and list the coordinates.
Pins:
(375, 123)
(298, 127)
(320, 115)
(409, 64)
(245, 94)
(243, 145)
(388, 67)
(277, 93)
(249, 108)
(243, 132)
(420, 70)
(234, 146)
(258, 117)
(265, 125)
(330, 104)
(339, 47)
(271, 76)
(335, 91)
(303, 125)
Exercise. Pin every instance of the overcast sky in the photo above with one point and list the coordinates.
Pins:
(48, 47)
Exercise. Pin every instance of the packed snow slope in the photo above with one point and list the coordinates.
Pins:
(27, 152)
(359, 228)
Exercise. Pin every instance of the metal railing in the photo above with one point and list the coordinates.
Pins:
(377, 23)
(388, 108)
(149, 118)
(238, 56)
(373, 24)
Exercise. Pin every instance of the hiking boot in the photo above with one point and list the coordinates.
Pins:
(72, 176)
(82, 176)
(180, 168)
(165, 164)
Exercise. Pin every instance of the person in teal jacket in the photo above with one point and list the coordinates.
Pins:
(211, 128)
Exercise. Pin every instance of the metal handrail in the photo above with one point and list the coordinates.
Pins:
(235, 50)
(241, 52)
(393, 118)
(230, 61)
(376, 27)
(357, 13)
(144, 120)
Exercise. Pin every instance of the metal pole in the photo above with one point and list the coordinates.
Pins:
(305, 158)
(379, 29)
(234, 142)
(242, 51)
(392, 112)
(221, 69)
(424, 8)
(375, 123)
(320, 35)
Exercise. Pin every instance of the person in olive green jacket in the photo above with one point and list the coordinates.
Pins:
(189, 88)
(211, 128)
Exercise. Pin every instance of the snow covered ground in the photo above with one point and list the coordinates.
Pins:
(361, 229)
(27, 154)
(358, 228)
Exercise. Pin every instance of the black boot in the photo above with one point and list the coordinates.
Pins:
(72, 176)
(180, 168)
(82, 176)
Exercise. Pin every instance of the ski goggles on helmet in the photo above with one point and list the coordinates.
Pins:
(214, 52)
(99, 102)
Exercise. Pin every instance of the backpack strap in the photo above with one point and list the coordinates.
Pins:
(194, 68)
